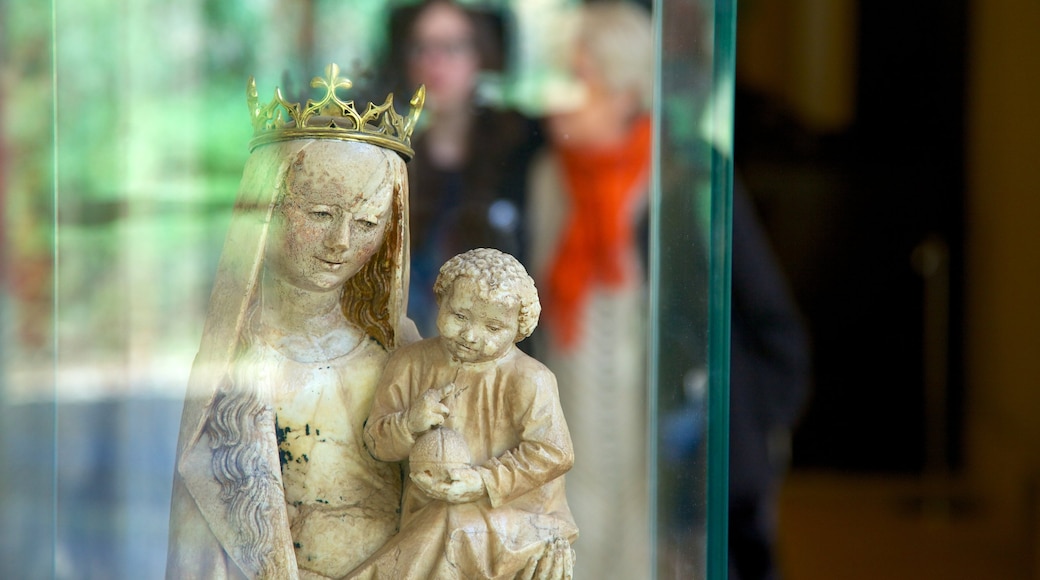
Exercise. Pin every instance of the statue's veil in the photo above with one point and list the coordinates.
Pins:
(374, 299)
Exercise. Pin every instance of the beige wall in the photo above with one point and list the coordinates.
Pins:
(803, 52)
(1003, 269)
(1003, 216)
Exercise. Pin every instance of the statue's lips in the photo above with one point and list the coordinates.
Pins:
(463, 348)
(331, 264)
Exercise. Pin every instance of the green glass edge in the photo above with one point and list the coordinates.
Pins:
(719, 292)
(724, 66)
(55, 285)
(654, 292)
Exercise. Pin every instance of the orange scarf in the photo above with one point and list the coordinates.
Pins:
(598, 235)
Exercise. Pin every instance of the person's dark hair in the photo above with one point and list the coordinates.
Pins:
(489, 36)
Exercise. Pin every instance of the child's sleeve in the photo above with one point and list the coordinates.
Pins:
(386, 434)
(545, 451)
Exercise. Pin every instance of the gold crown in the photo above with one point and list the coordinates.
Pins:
(331, 118)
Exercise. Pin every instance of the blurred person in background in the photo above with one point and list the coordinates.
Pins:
(768, 384)
(587, 215)
(469, 173)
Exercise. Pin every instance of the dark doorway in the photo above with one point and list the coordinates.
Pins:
(859, 219)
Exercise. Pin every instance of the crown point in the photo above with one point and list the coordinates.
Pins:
(332, 80)
(252, 98)
(419, 97)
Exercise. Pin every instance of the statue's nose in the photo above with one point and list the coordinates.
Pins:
(338, 236)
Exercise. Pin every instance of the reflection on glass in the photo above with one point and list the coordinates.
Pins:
(688, 301)
(307, 308)
(117, 199)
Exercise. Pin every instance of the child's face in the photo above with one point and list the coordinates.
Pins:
(473, 329)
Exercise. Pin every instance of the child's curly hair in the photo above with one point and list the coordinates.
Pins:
(500, 278)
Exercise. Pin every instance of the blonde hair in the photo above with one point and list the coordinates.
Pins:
(619, 39)
(366, 295)
(499, 277)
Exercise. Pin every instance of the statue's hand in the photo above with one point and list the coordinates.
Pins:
(428, 411)
(465, 486)
(424, 480)
(555, 563)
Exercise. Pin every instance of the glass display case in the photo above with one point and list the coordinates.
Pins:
(123, 137)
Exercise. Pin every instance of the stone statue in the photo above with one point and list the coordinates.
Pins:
(273, 479)
(481, 424)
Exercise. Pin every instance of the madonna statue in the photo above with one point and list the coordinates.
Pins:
(272, 478)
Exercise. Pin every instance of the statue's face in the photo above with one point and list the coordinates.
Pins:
(333, 216)
(474, 329)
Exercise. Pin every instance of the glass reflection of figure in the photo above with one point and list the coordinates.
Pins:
(471, 159)
(272, 477)
(587, 215)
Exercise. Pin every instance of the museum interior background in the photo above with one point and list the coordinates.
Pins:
(875, 141)
(890, 154)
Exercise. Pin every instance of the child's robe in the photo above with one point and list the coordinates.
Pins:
(508, 411)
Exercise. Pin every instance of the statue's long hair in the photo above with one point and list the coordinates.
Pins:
(368, 296)
(240, 429)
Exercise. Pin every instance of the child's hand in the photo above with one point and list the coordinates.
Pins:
(555, 563)
(465, 486)
(429, 411)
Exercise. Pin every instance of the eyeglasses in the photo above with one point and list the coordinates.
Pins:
(453, 48)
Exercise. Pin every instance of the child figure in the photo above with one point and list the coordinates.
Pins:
(471, 394)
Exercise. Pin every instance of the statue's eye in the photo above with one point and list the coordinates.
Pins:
(321, 214)
(493, 328)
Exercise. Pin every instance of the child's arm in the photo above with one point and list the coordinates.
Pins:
(396, 418)
(466, 485)
(545, 451)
